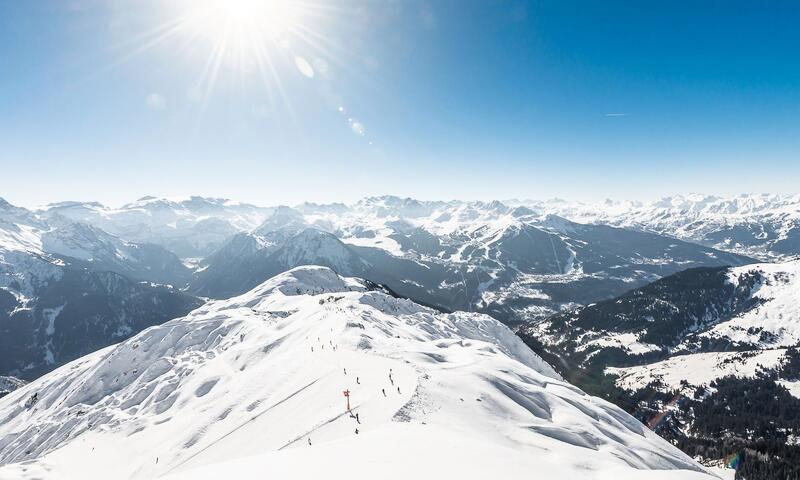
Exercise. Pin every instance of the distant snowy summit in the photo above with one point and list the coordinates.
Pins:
(765, 226)
(761, 225)
(260, 385)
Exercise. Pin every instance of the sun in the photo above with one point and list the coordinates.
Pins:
(259, 48)
(257, 19)
(248, 37)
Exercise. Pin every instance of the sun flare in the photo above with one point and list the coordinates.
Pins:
(246, 18)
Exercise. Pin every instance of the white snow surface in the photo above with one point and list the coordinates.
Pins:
(697, 368)
(627, 341)
(792, 385)
(778, 314)
(239, 387)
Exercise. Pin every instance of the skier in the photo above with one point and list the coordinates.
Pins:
(384, 391)
(357, 419)
(358, 381)
(356, 430)
(398, 389)
(309, 441)
(345, 371)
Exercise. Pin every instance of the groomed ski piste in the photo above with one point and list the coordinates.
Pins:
(253, 387)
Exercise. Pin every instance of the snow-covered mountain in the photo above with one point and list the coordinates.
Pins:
(763, 321)
(67, 289)
(510, 262)
(24, 232)
(753, 308)
(253, 386)
(709, 357)
(765, 226)
(190, 227)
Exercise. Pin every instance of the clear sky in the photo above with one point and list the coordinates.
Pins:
(273, 101)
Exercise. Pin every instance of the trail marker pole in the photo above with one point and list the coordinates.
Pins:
(347, 396)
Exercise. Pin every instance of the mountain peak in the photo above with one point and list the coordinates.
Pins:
(303, 280)
(224, 384)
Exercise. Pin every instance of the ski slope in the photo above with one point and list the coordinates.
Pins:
(253, 386)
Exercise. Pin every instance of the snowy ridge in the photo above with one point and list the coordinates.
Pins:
(254, 384)
(190, 227)
(761, 225)
(765, 225)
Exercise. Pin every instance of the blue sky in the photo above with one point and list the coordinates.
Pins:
(440, 99)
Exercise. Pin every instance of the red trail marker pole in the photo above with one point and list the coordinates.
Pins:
(347, 396)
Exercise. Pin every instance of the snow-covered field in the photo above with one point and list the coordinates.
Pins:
(252, 387)
(697, 369)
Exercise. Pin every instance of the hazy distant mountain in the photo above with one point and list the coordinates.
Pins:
(57, 236)
(68, 288)
(765, 226)
(192, 227)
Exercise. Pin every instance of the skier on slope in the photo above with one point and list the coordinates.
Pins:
(384, 391)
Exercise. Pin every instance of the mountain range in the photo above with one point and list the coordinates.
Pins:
(256, 383)
(662, 308)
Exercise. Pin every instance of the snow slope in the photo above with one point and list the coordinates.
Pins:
(747, 339)
(775, 321)
(253, 385)
(697, 368)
